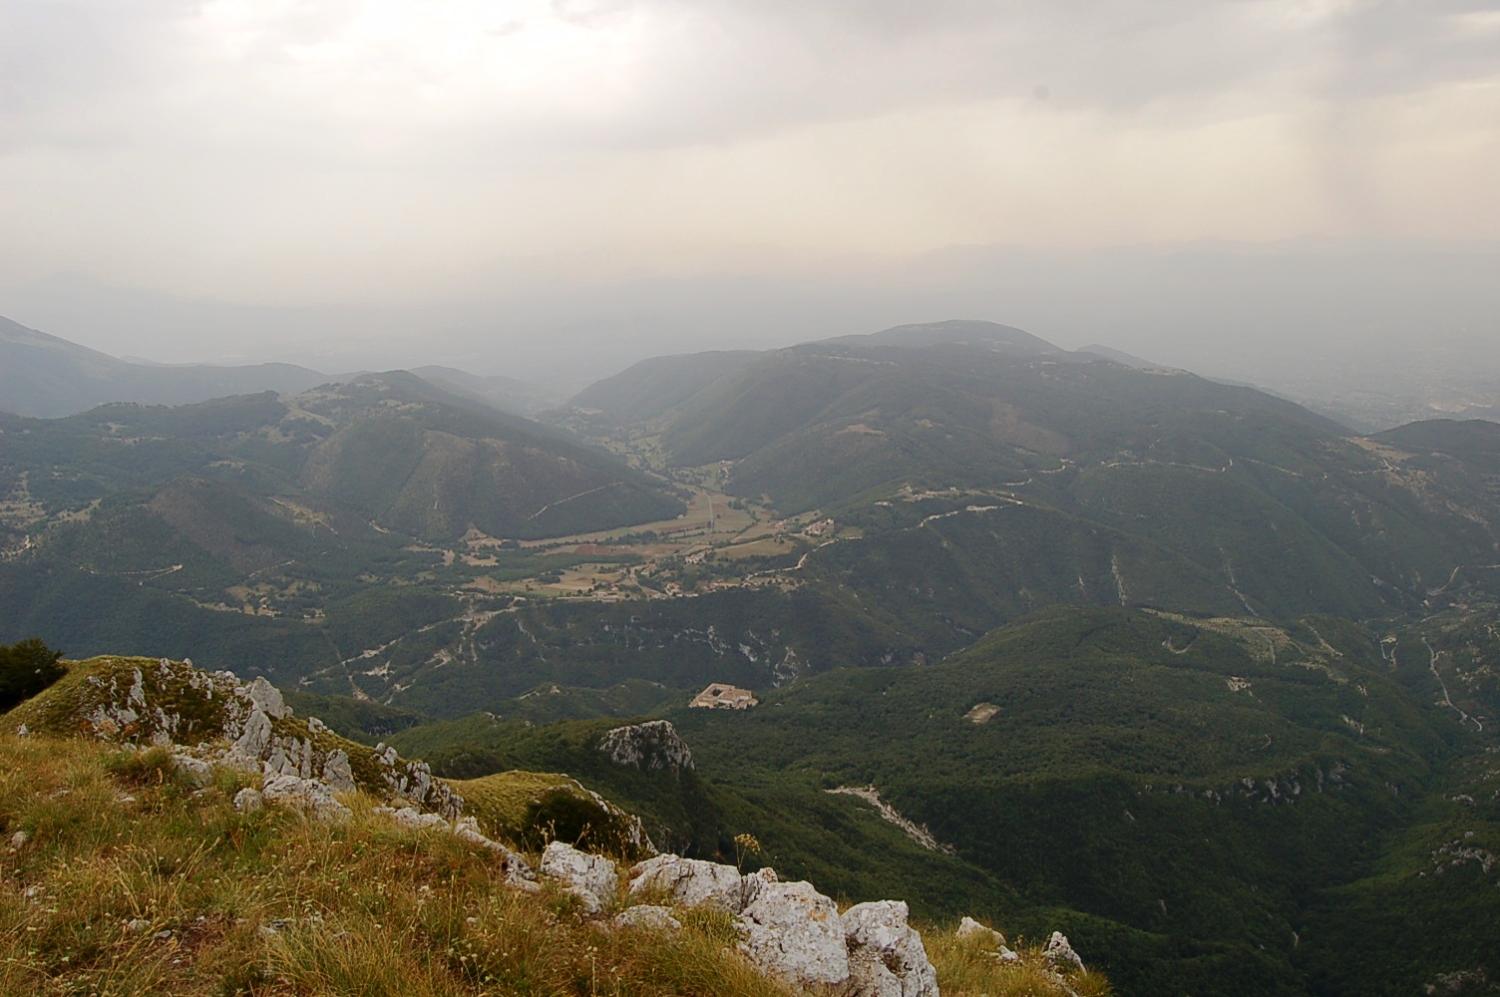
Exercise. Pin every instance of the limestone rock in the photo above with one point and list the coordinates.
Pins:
(414, 781)
(590, 878)
(649, 746)
(970, 928)
(690, 882)
(18, 840)
(254, 736)
(337, 772)
(649, 917)
(792, 931)
(886, 955)
(248, 800)
(308, 794)
(414, 819)
(193, 771)
(1060, 953)
(267, 698)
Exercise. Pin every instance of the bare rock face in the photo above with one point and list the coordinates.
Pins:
(413, 780)
(266, 697)
(791, 931)
(886, 955)
(215, 718)
(307, 794)
(647, 917)
(649, 746)
(590, 878)
(690, 882)
(1060, 953)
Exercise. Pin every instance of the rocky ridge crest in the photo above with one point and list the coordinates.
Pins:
(788, 930)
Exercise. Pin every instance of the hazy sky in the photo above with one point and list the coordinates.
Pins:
(327, 155)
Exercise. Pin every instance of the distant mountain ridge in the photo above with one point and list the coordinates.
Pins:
(46, 376)
(992, 472)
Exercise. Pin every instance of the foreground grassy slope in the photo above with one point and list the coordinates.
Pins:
(130, 883)
(122, 880)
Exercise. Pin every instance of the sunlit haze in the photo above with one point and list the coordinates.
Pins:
(376, 183)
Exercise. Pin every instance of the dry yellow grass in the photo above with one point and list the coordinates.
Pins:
(131, 882)
(967, 967)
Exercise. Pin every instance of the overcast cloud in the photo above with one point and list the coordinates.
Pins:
(335, 155)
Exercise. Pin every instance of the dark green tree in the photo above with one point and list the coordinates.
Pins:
(26, 668)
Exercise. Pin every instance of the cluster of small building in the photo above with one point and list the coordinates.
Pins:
(720, 696)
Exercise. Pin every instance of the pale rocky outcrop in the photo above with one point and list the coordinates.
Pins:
(791, 931)
(650, 746)
(416, 820)
(266, 697)
(590, 878)
(886, 955)
(216, 718)
(1060, 953)
(308, 794)
(649, 917)
(970, 928)
(690, 882)
(263, 735)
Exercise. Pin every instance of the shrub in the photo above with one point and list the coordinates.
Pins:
(26, 668)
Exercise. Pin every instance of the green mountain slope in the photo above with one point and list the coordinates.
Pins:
(1205, 795)
(1075, 478)
(295, 522)
(653, 387)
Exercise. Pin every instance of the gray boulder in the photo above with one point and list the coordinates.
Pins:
(649, 746)
(886, 955)
(970, 928)
(306, 794)
(791, 931)
(1060, 953)
(267, 698)
(410, 817)
(690, 882)
(590, 878)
